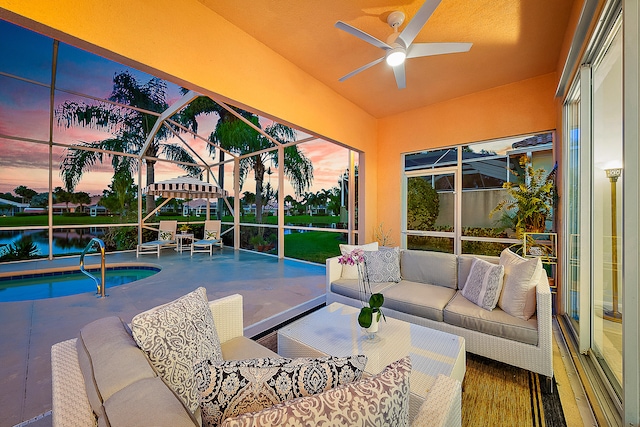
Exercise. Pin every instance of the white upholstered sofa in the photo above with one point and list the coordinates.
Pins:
(429, 294)
(132, 392)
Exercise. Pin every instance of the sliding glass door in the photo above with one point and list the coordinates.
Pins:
(594, 176)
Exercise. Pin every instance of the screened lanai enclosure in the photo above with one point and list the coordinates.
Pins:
(83, 137)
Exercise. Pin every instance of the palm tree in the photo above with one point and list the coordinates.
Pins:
(82, 198)
(310, 200)
(129, 127)
(63, 196)
(248, 199)
(234, 135)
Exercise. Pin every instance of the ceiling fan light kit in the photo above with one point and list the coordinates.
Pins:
(400, 46)
(396, 56)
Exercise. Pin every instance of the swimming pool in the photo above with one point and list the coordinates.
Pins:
(63, 283)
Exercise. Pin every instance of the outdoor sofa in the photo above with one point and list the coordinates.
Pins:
(104, 378)
(429, 293)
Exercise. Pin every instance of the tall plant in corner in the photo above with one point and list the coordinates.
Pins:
(529, 200)
(372, 302)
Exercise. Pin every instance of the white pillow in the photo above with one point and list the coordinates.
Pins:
(521, 276)
(176, 336)
(484, 284)
(351, 271)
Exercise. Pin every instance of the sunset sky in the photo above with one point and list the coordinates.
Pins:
(24, 114)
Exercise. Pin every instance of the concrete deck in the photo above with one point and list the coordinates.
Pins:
(273, 290)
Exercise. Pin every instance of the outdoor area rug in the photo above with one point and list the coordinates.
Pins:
(495, 394)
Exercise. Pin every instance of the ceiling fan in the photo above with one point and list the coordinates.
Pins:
(400, 46)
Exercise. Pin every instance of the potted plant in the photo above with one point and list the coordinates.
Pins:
(258, 242)
(184, 228)
(371, 311)
(529, 200)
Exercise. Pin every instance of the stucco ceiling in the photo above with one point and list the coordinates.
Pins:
(512, 40)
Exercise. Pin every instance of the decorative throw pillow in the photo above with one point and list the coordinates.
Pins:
(233, 388)
(383, 265)
(484, 284)
(351, 271)
(210, 235)
(521, 276)
(177, 335)
(166, 235)
(381, 400)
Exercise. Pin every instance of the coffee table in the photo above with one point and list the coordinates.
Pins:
(334, 330)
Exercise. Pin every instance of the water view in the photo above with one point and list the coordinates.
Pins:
(65, 241)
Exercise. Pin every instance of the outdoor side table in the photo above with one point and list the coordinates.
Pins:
(181, 244)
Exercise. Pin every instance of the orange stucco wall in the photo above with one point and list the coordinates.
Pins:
(187, 43)
(515, 109)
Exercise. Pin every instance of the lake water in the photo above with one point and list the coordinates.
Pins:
(65, 241)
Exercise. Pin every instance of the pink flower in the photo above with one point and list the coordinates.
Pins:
(354, 257)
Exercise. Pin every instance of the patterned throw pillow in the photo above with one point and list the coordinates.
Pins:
(484, 284)
(351, 271)
(381, 400)
(233, 388)
(175, 337)
(166, 235)
(383, 265)
(210, 235)
(521, 276)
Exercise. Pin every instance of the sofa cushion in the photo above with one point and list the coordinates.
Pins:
(177, 335)
(484, 284)
(240, 348)
(351, 288)
(351, 271)
(464, 266)
(434, 268)
(521, 276)
(418, 299)
(381, 400)
(109, 360)
(147, 402)
(383, 265)
(233, 388)
(465, 314)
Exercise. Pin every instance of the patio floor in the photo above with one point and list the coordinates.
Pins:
(274, 290)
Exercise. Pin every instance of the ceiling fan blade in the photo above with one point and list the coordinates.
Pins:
(364, 67)
(362, 35)
(401, 81)
(417, 22)
(430, 49)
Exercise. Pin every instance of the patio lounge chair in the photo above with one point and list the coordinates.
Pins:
(211, 238)
(166, 239)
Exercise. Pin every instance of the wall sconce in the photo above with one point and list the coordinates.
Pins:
(614, 315)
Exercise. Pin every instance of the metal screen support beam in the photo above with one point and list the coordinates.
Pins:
(236, 203)
(281, 202)
(166, 114)
(351, 202)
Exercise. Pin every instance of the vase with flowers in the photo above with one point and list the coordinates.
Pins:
(371, 311)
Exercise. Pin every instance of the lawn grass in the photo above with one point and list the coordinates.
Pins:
(314, 246)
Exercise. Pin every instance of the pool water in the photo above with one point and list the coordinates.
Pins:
(59, 284)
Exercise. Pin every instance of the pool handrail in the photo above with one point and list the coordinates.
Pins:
(100, 286)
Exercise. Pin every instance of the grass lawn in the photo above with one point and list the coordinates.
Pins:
(314, 246)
